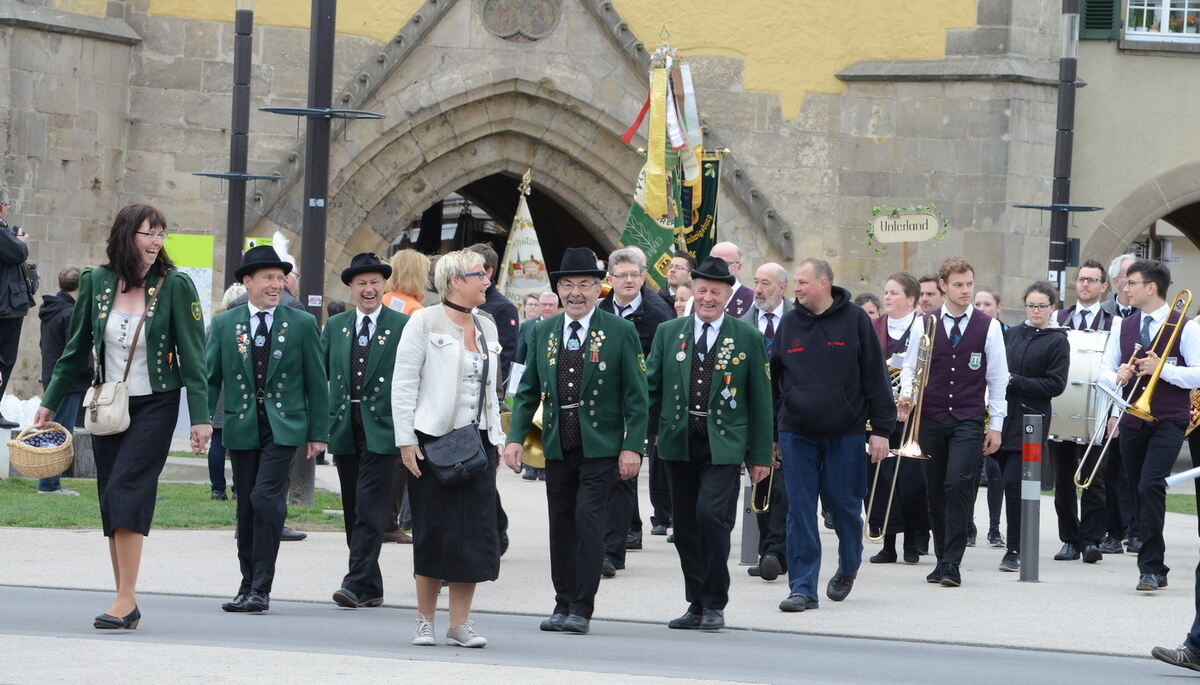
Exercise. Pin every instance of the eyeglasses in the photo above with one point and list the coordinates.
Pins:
(152, 235)
(625, 277)
(1088, 280)
(476, 274)
(570, 287)
(1037, 307)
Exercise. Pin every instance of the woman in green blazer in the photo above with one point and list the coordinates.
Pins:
(168, 355)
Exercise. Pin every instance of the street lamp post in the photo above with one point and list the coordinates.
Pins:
(1064, 142)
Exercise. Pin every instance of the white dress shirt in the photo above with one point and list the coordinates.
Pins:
(584, 323)
(713, 327)
(1187, 377)
(993, 349)
(1092, 312)
(628, 308)
(777, 312)
(254, 317)
(358, 321)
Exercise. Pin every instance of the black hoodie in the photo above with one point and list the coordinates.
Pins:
(55, 314)
(828, 373)
(1038, 361)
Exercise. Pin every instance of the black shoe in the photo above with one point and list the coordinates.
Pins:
(827, 518)
(219, 495)
(798, 602)
(1092, 554)
(576, 624)
(633, 541)
(839, 587)
(754, 572)
(911, 556)
(1069, 552)
(108, 622)
(886, 556)
(1111, 545)
(1148, 582)
(608, 569)
(995, 539)
(950, 575)
(238, 604)
(1162, 580)
(1181, 656)
(671, 539)
(688, 621)
(935, 576)
(503, 542)
(970, 541)
(6, 424)
(769, 566)
(345, 597)
(541, 474)
(554, 624)
(289, 535)
(258, 601)
(528, 474)
(658, 530)
(1134, 545)
(1011, 561)
(713, 620)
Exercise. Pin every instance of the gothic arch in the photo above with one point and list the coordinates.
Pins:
(1173, 195)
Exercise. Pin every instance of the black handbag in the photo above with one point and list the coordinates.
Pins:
(458, 456)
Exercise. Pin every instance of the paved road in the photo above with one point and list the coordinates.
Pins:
(613, 647)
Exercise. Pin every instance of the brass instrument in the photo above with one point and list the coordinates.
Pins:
(909, 447)
(533, 456)
(1141, 408)
(766, 505)
(894, 377)
(1194, 413)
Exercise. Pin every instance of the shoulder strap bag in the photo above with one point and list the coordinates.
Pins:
(106, 405)
(458, 456)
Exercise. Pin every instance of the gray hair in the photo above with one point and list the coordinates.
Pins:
(780, 272)
(630, 255)
(455, 264)
(547, 293)
(1114, 267)
(820, 268)
(232, 293)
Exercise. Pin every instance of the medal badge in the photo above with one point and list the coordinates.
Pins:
(976, 361)
(362, 341)
(260, 340)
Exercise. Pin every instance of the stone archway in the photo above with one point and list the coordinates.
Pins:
(1172, 196)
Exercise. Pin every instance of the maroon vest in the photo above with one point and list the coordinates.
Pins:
(1170, 402)
(1101, 322)
(958, 375)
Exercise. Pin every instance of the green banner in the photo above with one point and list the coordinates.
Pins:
(656, 237)
(703, 234)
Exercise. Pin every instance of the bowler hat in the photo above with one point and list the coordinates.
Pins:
(261, 257)
(714, 269)
(577, 261)
(366, 262)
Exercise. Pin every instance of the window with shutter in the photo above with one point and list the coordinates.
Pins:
(1100, 20)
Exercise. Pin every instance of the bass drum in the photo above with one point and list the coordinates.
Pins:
(1073, 413)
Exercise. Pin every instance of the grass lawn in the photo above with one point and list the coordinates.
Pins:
(180, 505)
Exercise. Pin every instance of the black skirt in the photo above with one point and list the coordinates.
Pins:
(455, 537)
(129, 463)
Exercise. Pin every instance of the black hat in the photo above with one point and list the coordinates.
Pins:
(714, 269)
(261, 257)
(577, 261)
(366, 262)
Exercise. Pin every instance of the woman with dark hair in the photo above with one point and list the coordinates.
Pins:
(870, 304)
(137, 311)
(987, 300)
(1038, 359)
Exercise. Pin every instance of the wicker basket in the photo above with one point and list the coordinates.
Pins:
(40, 462)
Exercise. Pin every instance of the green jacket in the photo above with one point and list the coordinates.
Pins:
(336, 342)
(174, 334)
(740, 420)
(295, 390)
(614, 409)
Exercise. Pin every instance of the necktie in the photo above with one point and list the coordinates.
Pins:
(573, 342)
(1126, 311)
(259, 355)
(621, 309)
(769, 334)
(702, 341)
(956, 333)
(1146, 333)
(358, 359)
(1083, 322)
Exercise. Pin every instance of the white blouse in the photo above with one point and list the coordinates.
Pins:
(118, 336)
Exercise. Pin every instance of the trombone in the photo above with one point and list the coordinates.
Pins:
(766, 501)
(909, 447)
(1141, 407)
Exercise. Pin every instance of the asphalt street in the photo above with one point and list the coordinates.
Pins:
(613, 647)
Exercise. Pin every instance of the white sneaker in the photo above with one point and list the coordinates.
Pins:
(465, 636)
(423, 636)
(60, 491)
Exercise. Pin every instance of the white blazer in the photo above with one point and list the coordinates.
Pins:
(427, 378)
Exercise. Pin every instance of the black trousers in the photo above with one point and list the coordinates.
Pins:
(261, 475)
(1149, 453)
(1008, 460)
(396, 494)
(910, 506)
(772, 526)
(704, 499)
(1083, 523)
(950, 472)
(622, 507)
(660, 490)
(10, 338)
(366, 480)
(577, 492)
(1194, 448)
(1118, 495)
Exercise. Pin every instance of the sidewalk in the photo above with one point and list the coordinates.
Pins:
(1076, 607)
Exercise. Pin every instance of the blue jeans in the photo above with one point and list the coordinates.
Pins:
(835, 470)
(66, 416)
(216, 462)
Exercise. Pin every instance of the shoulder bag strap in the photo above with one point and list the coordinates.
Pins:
(137, 332)
(485, 353)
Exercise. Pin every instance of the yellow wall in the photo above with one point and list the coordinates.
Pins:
(791, 47)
